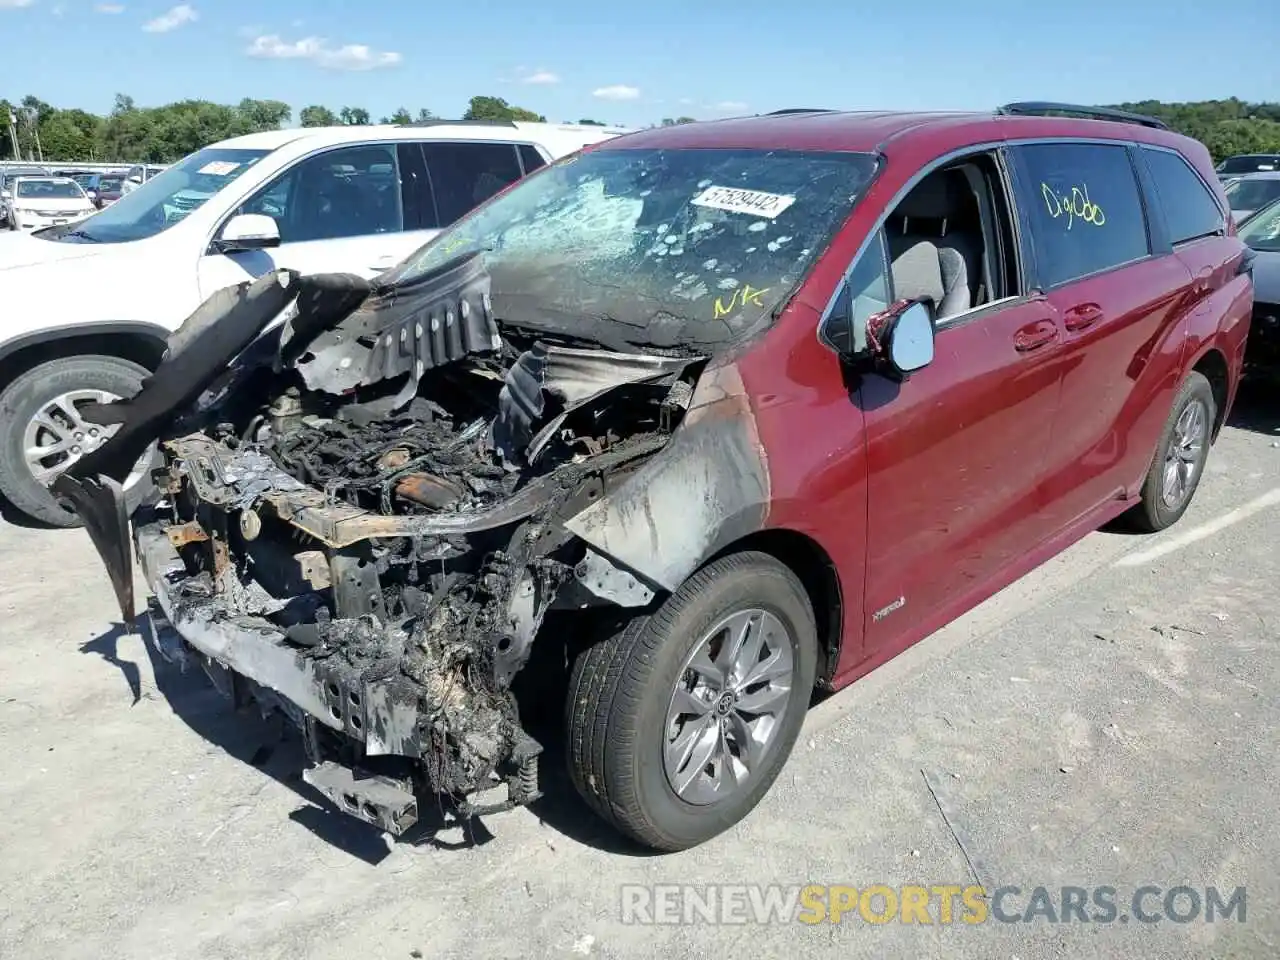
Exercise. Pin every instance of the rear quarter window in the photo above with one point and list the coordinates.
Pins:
(1083, 206)
(1190, 210)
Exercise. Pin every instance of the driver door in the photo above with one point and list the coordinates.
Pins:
(956, 455)
(347, 210)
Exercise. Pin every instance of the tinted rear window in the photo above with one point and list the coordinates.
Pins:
(1084, 206)
(1190, 210)
(1249, 164)
(1252, 194)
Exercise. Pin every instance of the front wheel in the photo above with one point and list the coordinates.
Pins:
(42, 432)
(1180, 457)
(679, 723)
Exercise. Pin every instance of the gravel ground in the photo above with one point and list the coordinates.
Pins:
(1109, 720)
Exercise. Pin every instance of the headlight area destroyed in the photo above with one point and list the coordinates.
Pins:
(367, 505)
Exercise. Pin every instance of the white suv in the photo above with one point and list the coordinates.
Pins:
(87, 306)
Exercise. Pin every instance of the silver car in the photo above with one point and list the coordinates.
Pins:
(1252, 191)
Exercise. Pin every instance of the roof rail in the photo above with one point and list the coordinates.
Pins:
(437, 122)
(789, 110)
(1042, 108)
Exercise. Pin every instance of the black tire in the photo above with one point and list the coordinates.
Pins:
(1152, 513)
(23, 398)
(621, 687)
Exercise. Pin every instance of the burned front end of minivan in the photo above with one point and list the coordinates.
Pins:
(375, 496)
(364, 514)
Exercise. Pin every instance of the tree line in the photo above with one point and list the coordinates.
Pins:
(1226, 127)
(134, 134)
(163, 134)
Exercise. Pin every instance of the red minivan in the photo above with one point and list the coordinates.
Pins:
(717, 413)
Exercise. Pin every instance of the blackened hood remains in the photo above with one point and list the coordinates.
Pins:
(345, 337)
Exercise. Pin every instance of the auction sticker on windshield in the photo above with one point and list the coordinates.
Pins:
(735, 200)
(218, 168)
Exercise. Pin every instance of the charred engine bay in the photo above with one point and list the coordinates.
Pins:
(369, 419)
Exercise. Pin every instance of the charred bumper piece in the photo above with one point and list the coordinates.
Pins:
(365, 731)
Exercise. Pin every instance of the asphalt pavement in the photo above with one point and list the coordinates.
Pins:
(1110, 721)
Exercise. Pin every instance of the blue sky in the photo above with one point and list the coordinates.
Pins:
(639, 61)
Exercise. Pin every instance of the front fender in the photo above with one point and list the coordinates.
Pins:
(707, 488)
(46, 335)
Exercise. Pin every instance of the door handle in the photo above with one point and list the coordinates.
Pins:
(1082, 316)
(1035, 335)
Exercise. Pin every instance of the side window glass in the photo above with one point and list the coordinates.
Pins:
(531, 158)
(864, 294)
(1189, 208)
(1084, 208)
(419, 202)
(353, 192)
(465, 174)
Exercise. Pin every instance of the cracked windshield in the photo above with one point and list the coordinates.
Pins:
(667, 248)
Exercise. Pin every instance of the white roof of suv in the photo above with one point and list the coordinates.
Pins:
(565, 137)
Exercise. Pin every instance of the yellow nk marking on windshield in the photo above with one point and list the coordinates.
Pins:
(744, 296)
(1075, 205)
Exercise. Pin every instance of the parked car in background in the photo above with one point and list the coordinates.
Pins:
(715, 412)
(7, 176)
(1248, 192)
(1247, 163)
(139, 174)
(88, 307)
(1262, 233)
(110, 189)
(39, 202)
(89, 183)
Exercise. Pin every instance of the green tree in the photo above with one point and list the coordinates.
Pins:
(70, 135)
(258, 115)
(495, 108)
(317, 116)
(353, 116)
(591, 123)
(1230, 137)
(425, 115)
(669, 122)
(400, 116)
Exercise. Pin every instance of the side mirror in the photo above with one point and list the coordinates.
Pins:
(91, 194)
(248, 231)
(902, 337)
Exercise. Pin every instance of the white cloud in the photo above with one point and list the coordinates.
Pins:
(109, 7)
(619, 91)
(317, 50)
(14, 4)
(541, 77)
(729, 106)
(182, 13)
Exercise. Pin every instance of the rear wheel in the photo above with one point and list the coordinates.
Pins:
(42, 432)
(1180, 457)
(680, 722)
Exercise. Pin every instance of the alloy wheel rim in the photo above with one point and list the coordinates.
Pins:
(58, 436)
(1182, 460)
(727, 706)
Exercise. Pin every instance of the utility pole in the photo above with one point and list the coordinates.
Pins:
(33, 120)
(13, 134)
